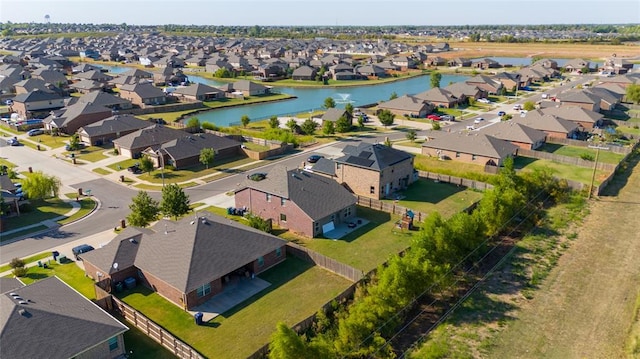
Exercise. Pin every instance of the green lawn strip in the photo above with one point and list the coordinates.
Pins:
(573, 151)
(139, 346)
(148, 187)
(428, 196)
(629, 130)
(5, 162)
(69, 273)
(366, 247)
(407, 143)
(561, 170)
(27, 260)
(453, 168)
(10, 130)
(87, 205)
(297, 291)
(51, 141)
(194, 172)
(40, 210)
(255, 147)
(24, 232)
(227, 102)
(90, 154)
(122, 165)
(101, 171)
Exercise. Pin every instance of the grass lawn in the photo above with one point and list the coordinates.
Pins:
(87, 205)
(255, 147)
(24, 232)
(407, 143)
(573, 151)
(191, 173)
(453, 168)
(169, 117)
(365, 248)
(27, 260)
(428, 196)
(227, 102)
(629, 130)
(41, 210)
(122, 165)
(101, 171)
(5, 162)
(69, 273)
(297, 290)
(574, 173)
(140, 346)
(51, 141)
(90, 154)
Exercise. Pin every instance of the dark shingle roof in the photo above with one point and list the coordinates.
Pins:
(325, 165)
(197, 89)
(103, 99)
(473, 143)
(195, 252)
(121, 250)
(373, 156)
(190, 145)
(148, 137)
(57, 322)
(334, 114)
(36, 95)
(513, 132)
(115, 124)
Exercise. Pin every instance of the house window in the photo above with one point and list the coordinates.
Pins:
(260, 261)
(204, 290)
(268, 197)
(283, 217)
(338, 166)
(283, 201)
(457, 154)
(278, 252)
(372, 190)
(113, 343)
(473, 157)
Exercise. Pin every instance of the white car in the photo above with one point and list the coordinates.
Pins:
(478, 120)
(483, 100)
(517, 107)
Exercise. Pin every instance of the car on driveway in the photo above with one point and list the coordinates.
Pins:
(484, 100)
(517, 107)
(434, 117)
(35, 132)
(478, 120)
(447, 118)
(135, 169)
(314, 158)
(501, 113)
(83, 248)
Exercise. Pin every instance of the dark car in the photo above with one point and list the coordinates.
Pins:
(135, 169)
(83, 248)
(501, 113)
(13, 142)
(314, 158)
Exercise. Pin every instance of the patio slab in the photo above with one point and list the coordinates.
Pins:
(232, 295)
(343, 229)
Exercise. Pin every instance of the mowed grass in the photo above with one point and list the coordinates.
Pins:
(573, 151)
(191, 173)
(561, 170)
(40, 210)
(68, 272)
(50, 141)
(297, 291)
(89, 154)
(27, 260)
(453, 168)
(366, 247)
(428, 196)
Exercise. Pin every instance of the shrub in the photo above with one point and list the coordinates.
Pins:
(259, 223)
(20, 271)
(587, 157)
(16, 263)
(210, 126)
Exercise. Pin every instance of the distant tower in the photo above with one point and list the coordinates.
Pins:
(47, 19)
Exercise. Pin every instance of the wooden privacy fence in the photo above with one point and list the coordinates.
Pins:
(577, 143)
(332, 265)
(575, 161)
(455, 180)
(154, 331)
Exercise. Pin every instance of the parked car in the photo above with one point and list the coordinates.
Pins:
(517, 107)
(478, 120)
(484, 100)
(83, 248)
(314, 158)
(67, 147)
(447, 118)
(135, 169)
(470, 127)
(544, 95)
(433, 117)
(35, 132)
(501, 113)
(13, 142)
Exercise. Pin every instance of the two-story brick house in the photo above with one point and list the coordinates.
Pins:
(37, 101)
(303, 202)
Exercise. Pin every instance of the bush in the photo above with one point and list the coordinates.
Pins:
(587, 157)
(210, 126)
(20, 271)
(16, 263)
(259, 223)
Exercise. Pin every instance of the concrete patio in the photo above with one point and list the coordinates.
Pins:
(232, 295)
(343, 229)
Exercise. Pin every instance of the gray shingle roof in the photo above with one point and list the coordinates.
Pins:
(333, 114)
(315, 195)
(36, 95)
(473, 143)
(115, 124)
(190, 145)
(144, 90)
(513, 132)
(574, 113)
(103, 99)
(58, 322)
(197, 89)
(405, 103)
(121, 250)
(190, 255)
(325, 165)
(148, 137)
(538, 120)
(78, 109)
(373, 156)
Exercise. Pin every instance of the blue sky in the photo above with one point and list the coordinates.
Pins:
(327, 12)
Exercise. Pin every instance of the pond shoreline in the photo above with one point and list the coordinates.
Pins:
(208, 109)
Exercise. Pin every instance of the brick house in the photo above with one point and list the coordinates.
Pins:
(518, 134)
(552, 125)
(49, 319)
(36, 101)
(303, 202)
(132, 144)
(580, 116)
(407, 106)
(143, 94)
(71, 118)
(373, 170)
(110, 128)
(475, 147)
(188, 261)
(184, 151)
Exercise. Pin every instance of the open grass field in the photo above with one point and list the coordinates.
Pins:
(297, 291)
(572, 151)
(561, 170)
(366, 247)
(453, 168)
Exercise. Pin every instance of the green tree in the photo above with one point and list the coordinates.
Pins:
(435, 125)
(435, 79)
(222, 73)
(4, 207)
(40, 186)
(309, 126)
(274, 122)
(343, 124)
(329, 102)
(174, 202)
(529, 106)
(286, 344)
(144, 210)
(245, 120)
(361, 121)
(393, 96)
(193, 124)
(633, 93)
(349, 109)
(206, 156)
(411, 135)
(386, 117)
(74, 142)
(146, 164)
(328, 128)
(292, 125)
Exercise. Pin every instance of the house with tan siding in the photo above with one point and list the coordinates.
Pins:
(552, 125)
(470, 147)
(518, 134)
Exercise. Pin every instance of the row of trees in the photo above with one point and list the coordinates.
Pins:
(145, 209)
(441, 249)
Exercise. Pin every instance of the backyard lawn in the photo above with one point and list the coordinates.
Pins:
(573, 151)
(429, 196)
(561, 170)
(297, 291)
(453, 168)
(366, 247)
(69, 273)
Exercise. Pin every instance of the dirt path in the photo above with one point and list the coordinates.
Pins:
(585, 307)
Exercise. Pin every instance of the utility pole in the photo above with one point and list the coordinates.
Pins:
(595, 165)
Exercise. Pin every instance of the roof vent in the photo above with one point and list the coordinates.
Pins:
(204, 220)
(192, 222)
(18, 298)
(132, 240)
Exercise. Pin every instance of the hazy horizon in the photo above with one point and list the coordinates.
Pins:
(322, 13)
